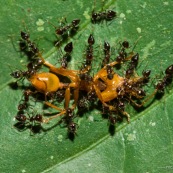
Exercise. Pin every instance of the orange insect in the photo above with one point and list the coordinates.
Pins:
(110, 88)
(48, 82)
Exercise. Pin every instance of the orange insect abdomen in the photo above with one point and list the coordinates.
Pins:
(45, 82)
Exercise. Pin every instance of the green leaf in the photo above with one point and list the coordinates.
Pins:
(144, 145)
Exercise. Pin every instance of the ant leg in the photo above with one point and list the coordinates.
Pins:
(67, 98)
(53, 106)
(146, 100)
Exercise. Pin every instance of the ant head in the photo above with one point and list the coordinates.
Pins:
(60, 31)
(17, 74)
(111, 14)
(94, 16)
(72, 127)
(20, 117)
(75, 22)
(125, 44)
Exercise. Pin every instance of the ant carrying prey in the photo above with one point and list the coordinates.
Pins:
(107, 86)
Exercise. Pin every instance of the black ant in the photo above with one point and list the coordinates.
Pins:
(108, 15)
(26, 37)
(106, 54)
(66, 30)
(110, 72)
(20, 75)
(68, 49)
(31, 122)
(24, 105)
(72, 26)
(89, 51)
(33, 67)
(167, 79)
(122, 53)
(132, 65)
(69, 123)
(89, 54)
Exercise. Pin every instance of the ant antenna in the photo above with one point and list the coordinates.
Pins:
(136, 43)
(52, 24)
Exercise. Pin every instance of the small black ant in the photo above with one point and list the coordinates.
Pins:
(106, 54)
(89, 54)
(122, 52)
(110, 73)
(26, 37)
(68, 120)
(132, 65)
(167, 79)
(72, 26)
(68, 49)
(108, 15)
(31, 122)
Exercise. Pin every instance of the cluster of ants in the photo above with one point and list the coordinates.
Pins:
(62, 84)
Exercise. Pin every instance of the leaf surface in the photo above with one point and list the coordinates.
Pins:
(144, 145)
